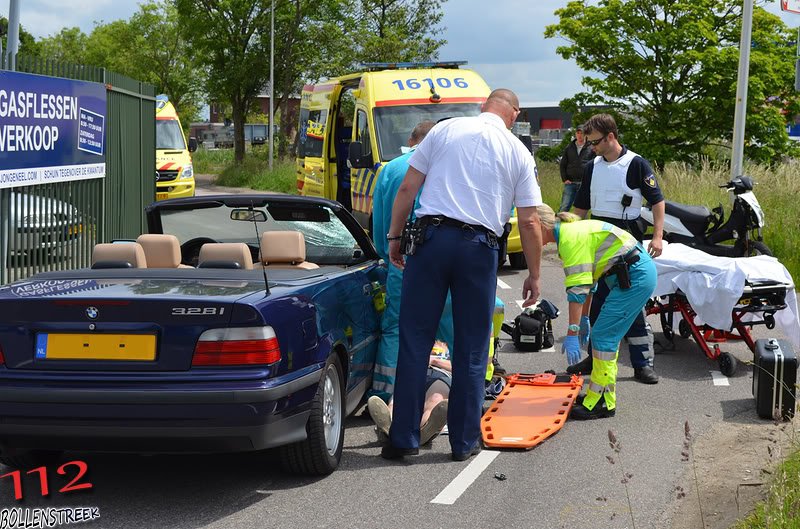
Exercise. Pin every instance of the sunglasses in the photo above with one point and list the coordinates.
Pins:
(595, 143)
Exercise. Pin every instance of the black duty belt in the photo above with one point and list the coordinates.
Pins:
(441, 220)
(628, 259)
(631, 257)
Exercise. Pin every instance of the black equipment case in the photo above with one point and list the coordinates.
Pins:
(774, 379)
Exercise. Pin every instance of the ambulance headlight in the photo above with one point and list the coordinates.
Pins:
(187, 172)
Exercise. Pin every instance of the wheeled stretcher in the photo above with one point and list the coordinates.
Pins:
(759, 302)
(718, 299)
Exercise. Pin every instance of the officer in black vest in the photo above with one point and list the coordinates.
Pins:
(614, 186)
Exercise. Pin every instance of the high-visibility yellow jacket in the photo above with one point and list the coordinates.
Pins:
(588, 248)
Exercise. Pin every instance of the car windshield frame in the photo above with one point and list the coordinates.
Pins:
(393, 124)
(332, 236)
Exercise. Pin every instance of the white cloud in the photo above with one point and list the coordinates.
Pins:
(42, 18)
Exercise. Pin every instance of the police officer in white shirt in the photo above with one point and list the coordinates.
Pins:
(613, 188)
(473, 169)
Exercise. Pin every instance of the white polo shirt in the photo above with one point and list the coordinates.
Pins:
(476, 170)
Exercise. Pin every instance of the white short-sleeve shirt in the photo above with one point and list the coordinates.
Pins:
(475, 171)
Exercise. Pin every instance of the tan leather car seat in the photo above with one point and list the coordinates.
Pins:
(235, 255)
(118, 255)
(161, 250)
(284, 249)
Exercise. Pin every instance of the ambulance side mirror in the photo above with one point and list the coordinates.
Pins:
(192, 144)
(355, 155)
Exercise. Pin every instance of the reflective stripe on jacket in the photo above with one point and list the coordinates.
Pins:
(588, 248)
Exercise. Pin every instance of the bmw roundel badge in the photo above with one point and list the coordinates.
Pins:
(92, 313)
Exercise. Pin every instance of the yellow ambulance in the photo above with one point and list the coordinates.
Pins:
(365, 119)
(174, 172)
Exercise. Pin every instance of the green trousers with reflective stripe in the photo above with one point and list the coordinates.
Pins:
(603, 381)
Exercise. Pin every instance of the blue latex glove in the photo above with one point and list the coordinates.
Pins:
(586, 327)
(572, 348)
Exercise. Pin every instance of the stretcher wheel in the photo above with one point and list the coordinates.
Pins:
(669, 334)
(727, 364)
(769, 321)
(683, 329)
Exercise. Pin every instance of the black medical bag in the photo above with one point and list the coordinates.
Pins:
(532, 330)
(774, 378)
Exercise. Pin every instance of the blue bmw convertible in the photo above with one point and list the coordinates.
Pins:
(237, 323)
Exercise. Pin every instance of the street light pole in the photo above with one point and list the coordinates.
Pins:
(740, 116)
(271, 81)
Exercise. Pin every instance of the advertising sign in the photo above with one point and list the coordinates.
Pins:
(51, 130)
(793, 6)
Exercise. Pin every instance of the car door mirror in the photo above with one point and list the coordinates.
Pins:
(192, 144)
(356, 157)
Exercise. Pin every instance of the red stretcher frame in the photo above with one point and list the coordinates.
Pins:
(762, 299)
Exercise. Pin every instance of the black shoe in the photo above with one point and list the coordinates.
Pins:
(584, 367)
(600, 411)
(645, 375)
(498, 369)
(390, 452)
(466, 455)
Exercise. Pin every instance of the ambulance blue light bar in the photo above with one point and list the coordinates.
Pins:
(372, 66)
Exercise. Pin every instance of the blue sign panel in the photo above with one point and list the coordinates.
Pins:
(51, 129)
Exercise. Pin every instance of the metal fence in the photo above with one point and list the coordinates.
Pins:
(55, 226)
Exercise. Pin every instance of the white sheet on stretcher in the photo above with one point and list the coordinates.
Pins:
(713, 285)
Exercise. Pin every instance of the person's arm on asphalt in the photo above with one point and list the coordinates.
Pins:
(530, 233)
(400, 210)
(656, 244)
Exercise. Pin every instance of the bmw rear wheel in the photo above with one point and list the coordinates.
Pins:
(321, 452)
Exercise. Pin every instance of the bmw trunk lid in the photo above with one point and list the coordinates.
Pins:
(141, 324)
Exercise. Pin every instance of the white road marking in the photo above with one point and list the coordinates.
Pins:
(502, 284)
(719, 379)
(456, 488)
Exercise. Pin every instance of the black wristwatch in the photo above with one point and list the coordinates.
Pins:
(390, 238)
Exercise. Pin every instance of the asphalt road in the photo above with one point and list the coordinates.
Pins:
(567, 481)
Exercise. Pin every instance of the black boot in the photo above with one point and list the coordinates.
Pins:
(584, 367)
(600, 411)
(645, 375)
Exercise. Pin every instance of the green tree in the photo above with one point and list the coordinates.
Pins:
(68, 45)
(326, 38)
(232, 37)
(668, 68)
(399, 30)
(27, 42)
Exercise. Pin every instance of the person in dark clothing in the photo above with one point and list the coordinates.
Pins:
(575, 157)
(614, 187)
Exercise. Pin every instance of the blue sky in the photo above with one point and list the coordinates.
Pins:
(504, 43)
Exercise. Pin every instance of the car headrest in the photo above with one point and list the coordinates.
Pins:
(118, 255)
(283, 247)
(225, 252)
(161, 250)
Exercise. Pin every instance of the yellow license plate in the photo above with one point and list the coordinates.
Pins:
(162, 196)
(54, 346)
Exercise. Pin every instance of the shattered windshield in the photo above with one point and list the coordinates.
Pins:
(328, 240)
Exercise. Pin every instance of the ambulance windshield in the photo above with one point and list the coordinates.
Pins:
(394, 124)
(169, 135)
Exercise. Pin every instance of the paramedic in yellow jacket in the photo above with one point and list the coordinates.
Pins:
(592, 251)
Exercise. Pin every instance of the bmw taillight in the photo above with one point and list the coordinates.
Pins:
(237, 346)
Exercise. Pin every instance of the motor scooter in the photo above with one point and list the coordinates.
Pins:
(707, 230)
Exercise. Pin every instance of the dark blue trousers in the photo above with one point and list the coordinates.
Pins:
(463, 261)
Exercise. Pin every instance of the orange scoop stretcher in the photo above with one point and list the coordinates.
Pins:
(530, 409)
